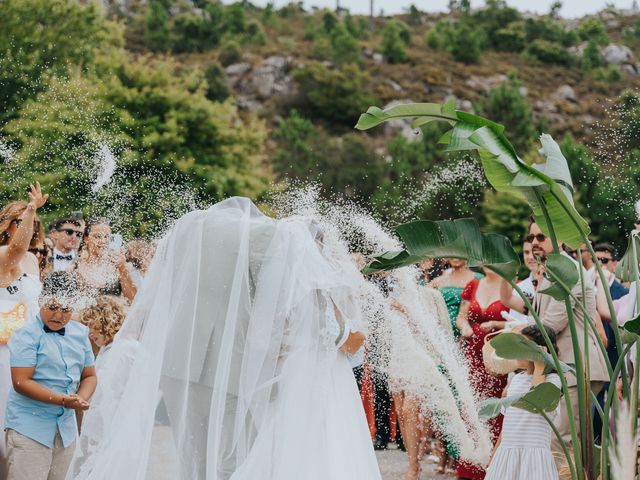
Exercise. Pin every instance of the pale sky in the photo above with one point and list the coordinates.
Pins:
(571, 8)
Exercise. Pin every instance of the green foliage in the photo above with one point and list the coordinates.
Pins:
(39, 37)
(437, 37)
(346, 165)
(549, 52)
(458, 238)
(506, 214)
(234, 18)
(255, 33)
(549, 30)
(392, 46)
(329, 21)
(217, 87)
(339, 46)
(465, 42)
(510, 38)
(229, 53)
(193, 33)
(415, 15)
(609, 74)
(506, 106)
(591, 58)
(156, 35)
(495, 16)
(267, 14)
(592, 29)
(334, 95)
(170, 139)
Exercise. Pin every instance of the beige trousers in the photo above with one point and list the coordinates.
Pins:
(562, 423)
(30, 460)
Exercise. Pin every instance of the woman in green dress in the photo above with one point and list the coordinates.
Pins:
(451, 284)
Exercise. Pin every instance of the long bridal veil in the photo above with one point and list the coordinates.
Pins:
(232, 344)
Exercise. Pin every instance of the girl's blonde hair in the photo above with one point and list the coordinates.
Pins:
(12, 212)
(105, 316)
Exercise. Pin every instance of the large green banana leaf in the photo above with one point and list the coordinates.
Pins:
(541, 398)
(453, 239)
(517, 347)
(547, 184)
(626, 270)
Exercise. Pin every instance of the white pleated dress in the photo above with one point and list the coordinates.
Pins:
(525, 450)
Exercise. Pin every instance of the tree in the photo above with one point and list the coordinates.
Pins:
(156, 35)
(591, 56)
(465, 42)
(392, 43)
(592, 29)
(554, 10)
(217, 87)
(334, 95)
(40, 38)
(506, 105)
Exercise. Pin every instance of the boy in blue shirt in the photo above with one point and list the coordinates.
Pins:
(53, 376)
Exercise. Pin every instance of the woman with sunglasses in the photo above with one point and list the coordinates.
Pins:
(20, 230)
(101, 269)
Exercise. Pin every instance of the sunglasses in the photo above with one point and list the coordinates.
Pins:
(540, 237)
(39, 251)
(604, 260)
(70, 231)
(18, 222)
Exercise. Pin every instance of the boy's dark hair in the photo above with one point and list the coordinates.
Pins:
(606, 247)
(60, 284)
(57, 224)
(534, 333)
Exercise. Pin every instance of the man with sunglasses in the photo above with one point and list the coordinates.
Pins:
(553, 314)
(606, 255)
(66, 234)
(53, 375)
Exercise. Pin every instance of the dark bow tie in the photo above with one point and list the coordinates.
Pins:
(59, 332)
(63, 257)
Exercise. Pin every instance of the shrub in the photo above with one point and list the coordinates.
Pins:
(549, 52)
(511, 38)
(506, 105)
(229, 53)
(329, 21)
(255, 33)
(610, 74)
(549, 30)
(592, 29)
(495, 16)
(217, 87)
(345, 48)
(392, 43)
(465, 42)
(156, 34)
(334, 95)
(591, 56)
(234, 19)
(437, 37)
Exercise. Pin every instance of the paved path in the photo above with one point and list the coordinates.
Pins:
(163, 461)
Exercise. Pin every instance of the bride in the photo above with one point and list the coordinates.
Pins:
(241, 332)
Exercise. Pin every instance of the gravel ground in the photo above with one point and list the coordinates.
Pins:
(393, 463)
(162, 465)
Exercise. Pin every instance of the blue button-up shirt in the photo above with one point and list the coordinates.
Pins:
(59, 362)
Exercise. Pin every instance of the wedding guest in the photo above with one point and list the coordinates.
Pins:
(139, 255)
(606, 255)
(451, 284)
(20, 231)
(430, 269)
(553, 314)
(66, 234)
(102, 270)
(524, 447)
(53, 375)
(481, 314)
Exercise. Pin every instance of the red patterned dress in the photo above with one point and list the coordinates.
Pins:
(484, 383)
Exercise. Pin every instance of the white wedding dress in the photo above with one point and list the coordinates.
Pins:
(236, 334)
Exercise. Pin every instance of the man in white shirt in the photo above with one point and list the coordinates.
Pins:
(66, 234)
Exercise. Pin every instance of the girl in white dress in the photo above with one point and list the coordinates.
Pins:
(524, 447)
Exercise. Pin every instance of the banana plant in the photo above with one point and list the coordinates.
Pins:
(548, 189)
